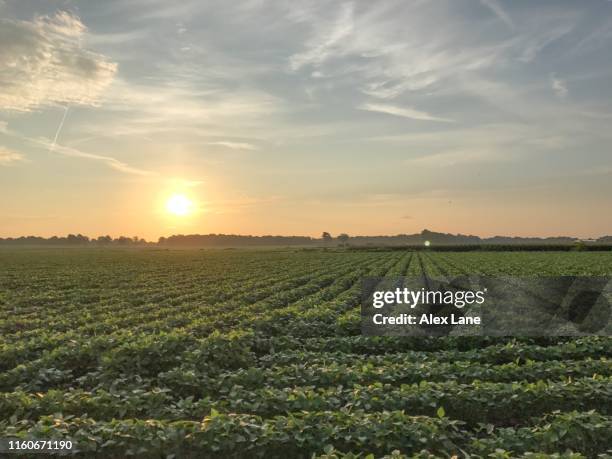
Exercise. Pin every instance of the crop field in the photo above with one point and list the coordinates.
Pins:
(227, 353)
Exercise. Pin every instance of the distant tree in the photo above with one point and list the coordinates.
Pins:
(78, 239)
(138, 241)
(343, 238)
(327, 238)
(104, 239)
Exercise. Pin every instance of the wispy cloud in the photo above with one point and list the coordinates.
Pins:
(383, 56)
(324, 45)
(404, 112)
(235, 145)
(43, 62)
(550, 30)
(52, 146)
(598, 37)
(8, 157)
(460, 156)
(191, 109)
(492, 137)
(111, 162)
(497, 9)
(558, 86)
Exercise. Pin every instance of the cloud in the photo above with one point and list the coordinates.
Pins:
(8, 157)
(551, 31)
(179, 106)
(461, 156)
(372, 50)
(492, 142)
(325, 45)
(388, 49)
(404, 112)
(56, 148)
(52, 147)
(558, 86)
(499, 12)
(108, 160)
(43, 62)
(235, 145)
(597, 37)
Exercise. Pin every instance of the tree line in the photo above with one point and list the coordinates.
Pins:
(326, 240)
(75, 240)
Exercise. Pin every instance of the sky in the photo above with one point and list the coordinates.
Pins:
(484, 117)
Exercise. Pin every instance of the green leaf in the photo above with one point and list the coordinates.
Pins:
(441, 413)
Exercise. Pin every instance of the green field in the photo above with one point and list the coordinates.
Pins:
(161, 353)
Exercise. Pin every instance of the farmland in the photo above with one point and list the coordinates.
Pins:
(192, 353)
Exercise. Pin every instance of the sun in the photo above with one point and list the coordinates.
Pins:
(179, 205)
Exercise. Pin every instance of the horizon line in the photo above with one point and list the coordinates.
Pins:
(351, 236)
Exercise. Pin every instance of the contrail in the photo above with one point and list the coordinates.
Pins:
(59, 128)
(501, 14)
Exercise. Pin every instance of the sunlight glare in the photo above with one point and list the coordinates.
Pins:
(179, 205)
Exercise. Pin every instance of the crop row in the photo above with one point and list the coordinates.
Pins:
(303, 434)
(478, 402)
(524, 263)
(149, 355)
